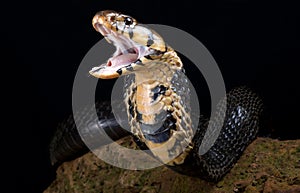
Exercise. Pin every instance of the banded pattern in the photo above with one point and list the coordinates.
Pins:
(158, 109)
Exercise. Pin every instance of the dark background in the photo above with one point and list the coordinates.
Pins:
(254, 44)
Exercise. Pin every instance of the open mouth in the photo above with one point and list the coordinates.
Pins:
(127, 52)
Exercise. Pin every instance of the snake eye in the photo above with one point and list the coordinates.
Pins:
(128, 21)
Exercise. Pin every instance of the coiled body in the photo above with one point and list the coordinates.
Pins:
(158, 113)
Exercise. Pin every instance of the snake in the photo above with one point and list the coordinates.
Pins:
(157, 102)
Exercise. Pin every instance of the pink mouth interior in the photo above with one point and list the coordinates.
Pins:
(122, 60)
(103, 30)
(126, 53)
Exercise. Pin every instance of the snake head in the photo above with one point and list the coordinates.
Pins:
(134, 43)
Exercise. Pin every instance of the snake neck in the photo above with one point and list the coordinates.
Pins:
(156, 112)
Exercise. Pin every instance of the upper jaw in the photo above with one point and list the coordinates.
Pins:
(102, 29)
(123, 44)
(127, 52)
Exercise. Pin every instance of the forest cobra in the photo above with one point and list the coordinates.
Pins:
(153, 96)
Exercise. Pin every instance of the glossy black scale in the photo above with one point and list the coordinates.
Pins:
(163, 133)
(158, 90)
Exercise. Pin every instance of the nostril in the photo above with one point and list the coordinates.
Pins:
(112, 18)
(109, 63)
